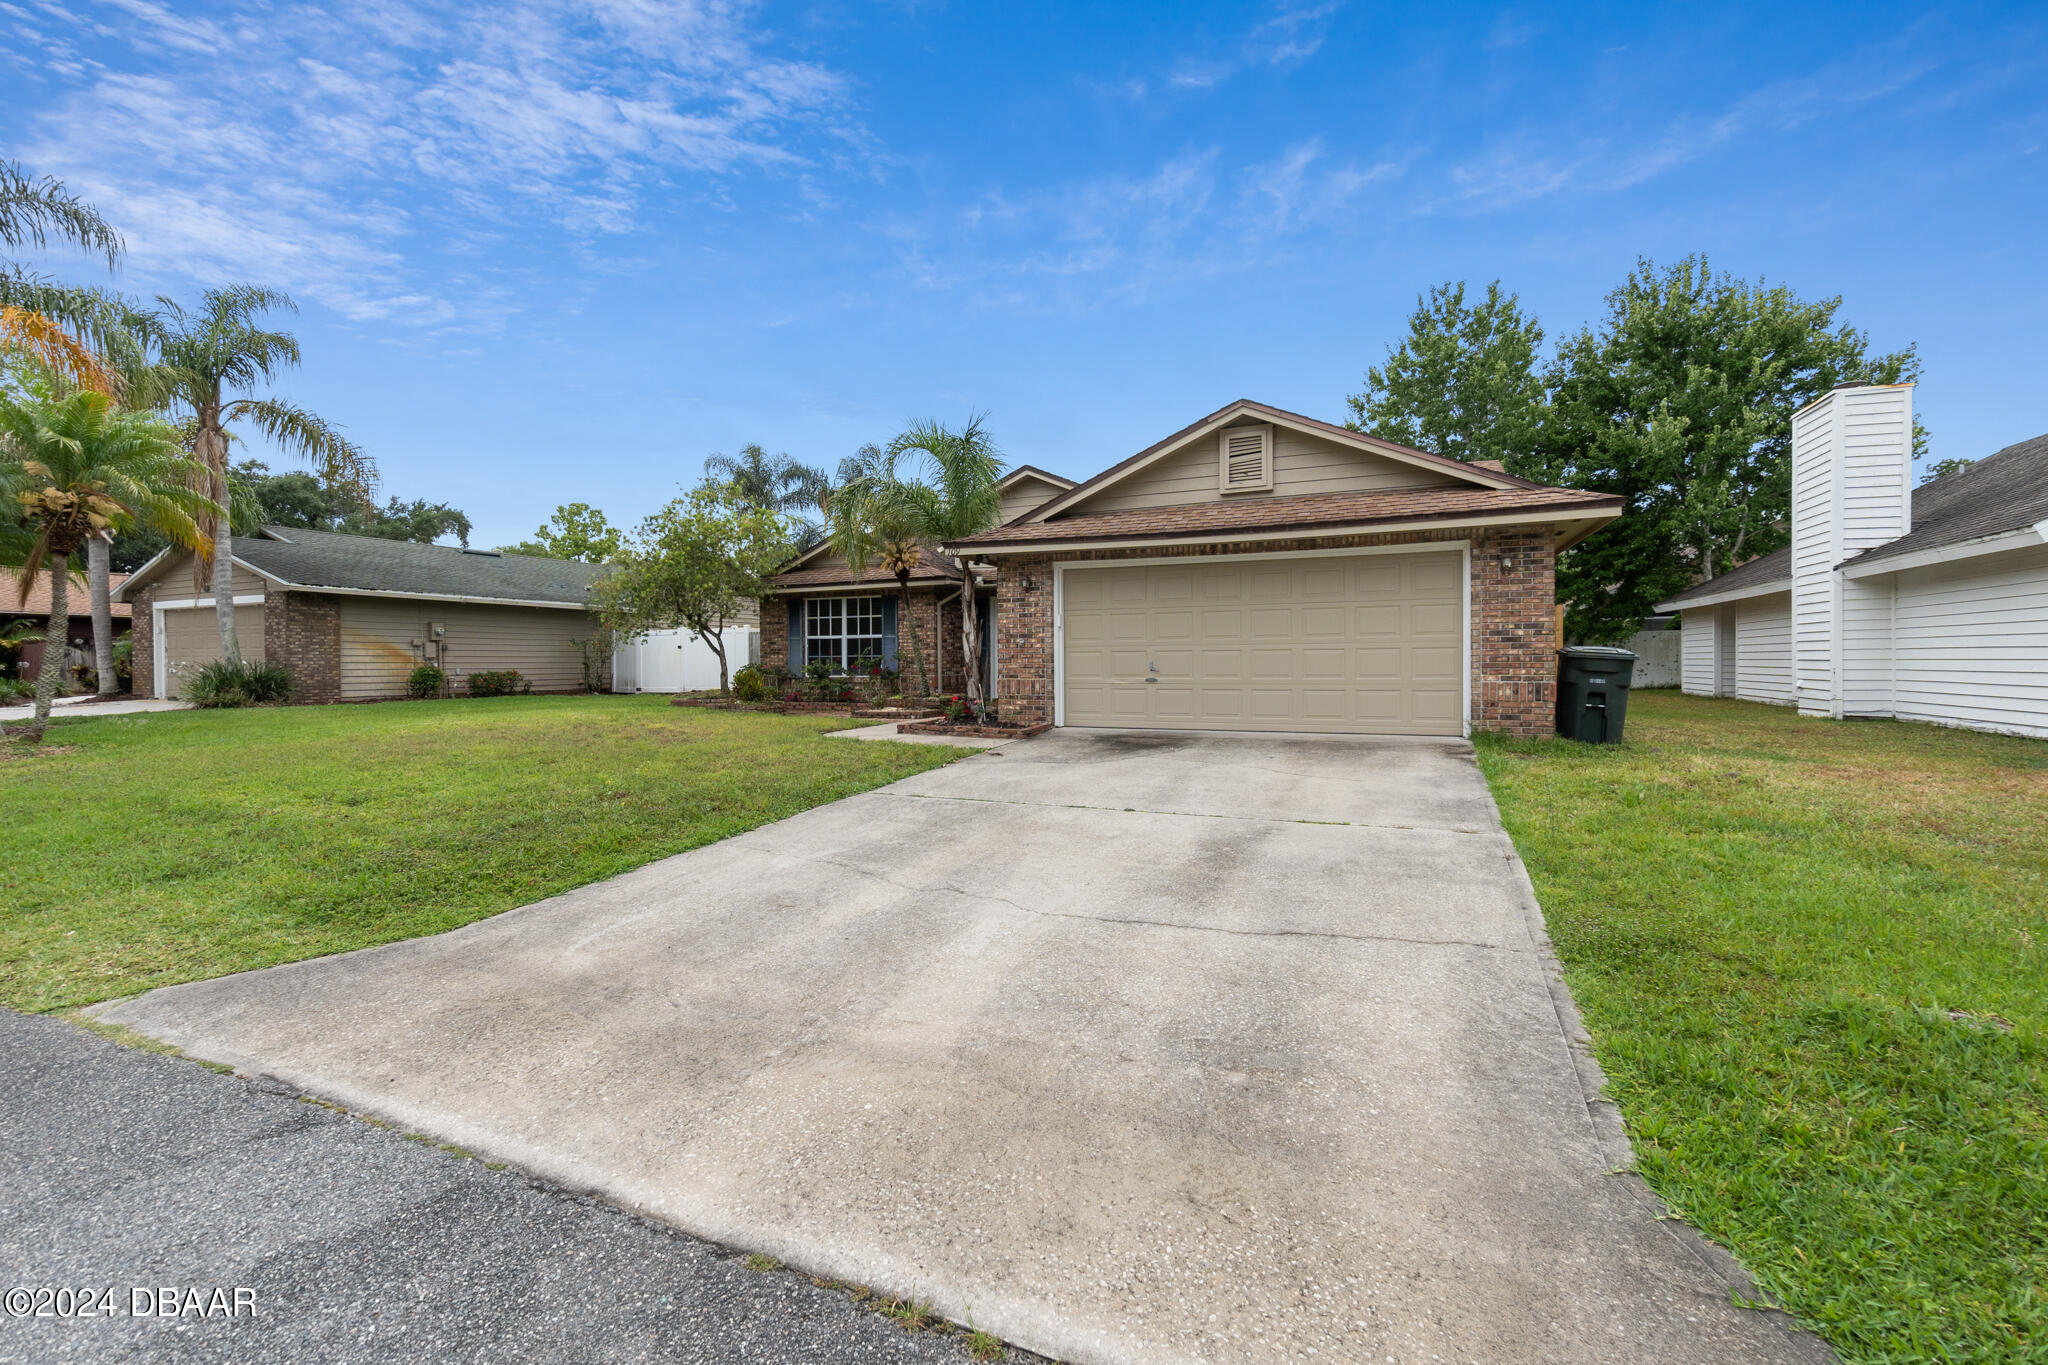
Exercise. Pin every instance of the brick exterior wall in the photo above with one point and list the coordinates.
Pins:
(933, 635)
(1514, 667)
(142, 663)
(302, 634)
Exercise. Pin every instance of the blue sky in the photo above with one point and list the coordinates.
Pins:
(561, 251)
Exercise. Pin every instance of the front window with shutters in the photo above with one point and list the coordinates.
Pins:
(842, 630)
(1245, 459)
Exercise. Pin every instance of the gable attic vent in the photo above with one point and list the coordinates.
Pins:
(1247, 459)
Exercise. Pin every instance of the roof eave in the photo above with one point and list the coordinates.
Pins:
(1598, 516)
(1711, 599)
(1996, 543)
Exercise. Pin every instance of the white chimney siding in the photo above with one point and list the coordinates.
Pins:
(1852, 490)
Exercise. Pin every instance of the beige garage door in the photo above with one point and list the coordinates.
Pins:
(1364, 644)
(192, 638)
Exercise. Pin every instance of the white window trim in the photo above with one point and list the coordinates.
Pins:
(845, 600)
(156, 628)
(1462, 548)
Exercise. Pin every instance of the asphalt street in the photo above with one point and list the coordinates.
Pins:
(126, 1169)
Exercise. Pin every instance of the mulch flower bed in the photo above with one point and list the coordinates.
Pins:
(995, 729)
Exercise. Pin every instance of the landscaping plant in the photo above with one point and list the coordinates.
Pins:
(426, 681)
(504, 682)
(242, 682)
(749, 685)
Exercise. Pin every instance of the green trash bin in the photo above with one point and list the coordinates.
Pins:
(1592, 692)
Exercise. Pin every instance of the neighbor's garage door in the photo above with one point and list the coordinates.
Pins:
(1368, 644)
(192, 638)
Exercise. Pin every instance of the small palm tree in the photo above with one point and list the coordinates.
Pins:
(206, 361)
(75, 468)
(774, 483)
(951, 490)
(860, 524)
(62, 327)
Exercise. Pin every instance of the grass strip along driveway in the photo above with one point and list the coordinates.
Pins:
(1814, 959)
(152, 849)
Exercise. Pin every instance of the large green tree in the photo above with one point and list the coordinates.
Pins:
(1463, 382)
(75, 468)
(1680, 399)
(207, 359)
(699, 564)
(576, 531)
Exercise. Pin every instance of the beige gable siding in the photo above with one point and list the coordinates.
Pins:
(174, 581)
(1025, 495)
(378, 654)
(1301, 464)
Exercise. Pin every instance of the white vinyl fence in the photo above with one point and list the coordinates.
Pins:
(678, 661)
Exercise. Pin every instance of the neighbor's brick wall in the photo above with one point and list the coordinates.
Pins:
(302, 633)
(931, 635)
(1514, 668)
(142, 663)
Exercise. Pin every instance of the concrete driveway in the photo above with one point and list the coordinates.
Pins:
(1124, 1047)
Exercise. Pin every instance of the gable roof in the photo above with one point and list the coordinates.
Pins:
(77, 602)
(1023, 471)
(1304, 513)
(1998, 494)
(932, 567)
(2003, 492)
(329, 561)
(1245, 407)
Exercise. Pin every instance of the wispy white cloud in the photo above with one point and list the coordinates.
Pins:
(336, 151)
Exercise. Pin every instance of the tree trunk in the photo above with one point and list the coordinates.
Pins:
(970, 633)
(98, 558)
(716, 639)
(906, 622)
(210, 448)
(56, 640)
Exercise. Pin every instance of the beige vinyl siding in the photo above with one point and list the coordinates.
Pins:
(1301, 464)
(1970, 643)
(378, 653)
(1763, 648)
(192, 639)
(174, 581)
(1022, 496)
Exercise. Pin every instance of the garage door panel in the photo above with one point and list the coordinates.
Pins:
(1367, 643)
(192, 640)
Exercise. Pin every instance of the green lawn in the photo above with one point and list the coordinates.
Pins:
(1814, 959)
(153, 849)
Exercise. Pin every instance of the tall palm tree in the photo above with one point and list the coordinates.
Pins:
(206, 361)
(74, 468)
(951, 491)
(60, 326)
(775, 483)
(861, 524)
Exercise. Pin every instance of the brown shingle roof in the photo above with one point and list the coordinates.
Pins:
(77, 602)
(1302, 512)
(931, 568)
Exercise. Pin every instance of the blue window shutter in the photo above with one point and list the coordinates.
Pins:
(889, 632)
(796, 635)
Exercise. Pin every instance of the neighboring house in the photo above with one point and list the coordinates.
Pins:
(351, 616)
(1924, 604)
(1261, 570)
(35, 611)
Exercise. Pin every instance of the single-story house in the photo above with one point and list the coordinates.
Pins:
(35, 613)
(1260, 570)
(817, 609)
(1922, 604)
(350, 617)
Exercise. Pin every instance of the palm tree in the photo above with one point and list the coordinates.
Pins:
(58, 325)
(775, 483)
(75, 467)
(861, 524)
(206, 360)
(951, 493)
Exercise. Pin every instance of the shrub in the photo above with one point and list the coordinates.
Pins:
(15, 690)
(749, 685)
(502, 682)
(426, 681)
(248, 683)
(124, 662)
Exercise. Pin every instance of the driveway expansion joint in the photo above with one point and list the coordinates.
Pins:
(1184, 814)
